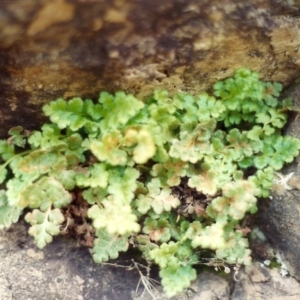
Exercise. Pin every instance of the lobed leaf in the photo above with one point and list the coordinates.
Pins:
(45, 192)
(177, 279)
(66, 113)
(206, 182)
(158, 230)
(236, 250)
(66, 178)
(237, 198)
(107, 246)
(194, 142)
(126, 155)
(114, 219)
(49, 136)
(117, 110)
(170, 172)
(160, 199)
(40, 162)
(208, 107)
(211, 237)
(3, 173)
(44, 225)
(7, 151)
(142, 143)
(94, 195)
(122, 184)
(17, 138)
(145, 245)
(108, 149)
(94, 176)
(8, 214)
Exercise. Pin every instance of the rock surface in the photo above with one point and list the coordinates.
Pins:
(59, 272)
(279, 217)
(61, 48)
(62, 271)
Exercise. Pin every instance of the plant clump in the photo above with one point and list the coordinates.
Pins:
(172, 176)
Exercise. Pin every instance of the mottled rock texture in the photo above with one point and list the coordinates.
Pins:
(279, 217)
(62, 271)
(61, 48)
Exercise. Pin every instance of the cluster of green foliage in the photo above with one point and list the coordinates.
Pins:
(126, 156)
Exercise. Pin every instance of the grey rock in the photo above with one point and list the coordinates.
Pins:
(279, 216)
(61, 271)
(261, 283)
(60, 48)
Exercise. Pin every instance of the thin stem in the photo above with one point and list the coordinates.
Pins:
(12, 158)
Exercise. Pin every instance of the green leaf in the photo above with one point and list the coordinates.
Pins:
(187, 108)
(245, 163)
(3, 173)
(8, 214)
(107, 246)
(7, 151)
(66, 178)
(238, 198)
(263, 180)
(40, 162)
(236, 250)
(165, 255)
(145, 245)
(44, 225)
(48, 137)
(143, 143)
(117, 110)
(66, 113)
(94, 195)
(114, 218)
(163, 121)
(93, 110)
(170, 173)
(131, 160)
(272, 92)
(123, 183)
(240, 146)
(160, 199)
(158, 230)
(164, 100)
(177, 279)
(194, 141)
(287, 148)
(231, 118)
(17, 137)
(94, 176)
(45, 192)
(190, 229)
(254, 133)
(174, 260)
(261, 161)
(208, 107)
(211, 237)
(272, 117)
(108, 149)
(74, 141)
(206, 182)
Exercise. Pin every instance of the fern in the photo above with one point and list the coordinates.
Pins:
(172, 175)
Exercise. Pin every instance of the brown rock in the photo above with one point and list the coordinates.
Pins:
(61, 48)
(270, 285)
